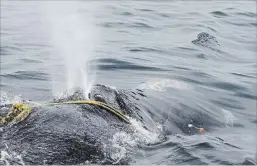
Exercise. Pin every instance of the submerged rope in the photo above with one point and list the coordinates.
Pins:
(20, 111)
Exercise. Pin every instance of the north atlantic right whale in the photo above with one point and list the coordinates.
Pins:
(77, 134)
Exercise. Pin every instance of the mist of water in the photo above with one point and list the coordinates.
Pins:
(72, 35)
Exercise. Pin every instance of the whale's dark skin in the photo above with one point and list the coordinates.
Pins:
(67, 134)
(71, 134)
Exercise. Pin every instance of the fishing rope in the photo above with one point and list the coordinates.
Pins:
(20, 111)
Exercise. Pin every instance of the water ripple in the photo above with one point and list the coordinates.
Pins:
(145, 49)
(146, 10)
(243, 75)
(219, 14)
(112, 61)
(225, 104)
(129, 67)
(127, 14)
(30, 75)
(248, 14)
(126, 25)
(246, 95)
(228, 86)
(140, 25)
(29, 60)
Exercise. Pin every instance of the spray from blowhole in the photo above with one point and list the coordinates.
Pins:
(72, 36)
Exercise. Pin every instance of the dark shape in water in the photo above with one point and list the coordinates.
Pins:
(74, 134)
(68, 134)
(206, 40)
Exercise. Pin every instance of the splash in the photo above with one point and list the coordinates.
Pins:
(10, 158)
(228, 117)
(163, 84)
(9, 99)
(72, 35)
(119, 146)
(124, 144)
(143, 135)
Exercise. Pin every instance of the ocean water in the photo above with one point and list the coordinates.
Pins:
(199, 56)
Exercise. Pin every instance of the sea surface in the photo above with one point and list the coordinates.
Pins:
(199, 56)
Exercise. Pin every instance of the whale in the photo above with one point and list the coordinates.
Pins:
(84, 133)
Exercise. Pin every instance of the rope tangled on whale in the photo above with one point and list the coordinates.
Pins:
(19, 111)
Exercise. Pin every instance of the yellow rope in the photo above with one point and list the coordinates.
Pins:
(20, 111)
(17, 112)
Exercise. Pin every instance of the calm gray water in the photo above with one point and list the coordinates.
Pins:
(195, 55)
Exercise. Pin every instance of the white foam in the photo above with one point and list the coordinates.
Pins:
(118, 150)
(122, 142)
(6, 157)
(229, 117)
(161, 85)
(143, 135)
(6, 98)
